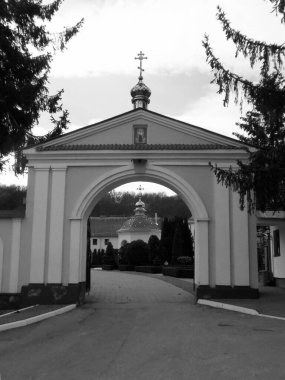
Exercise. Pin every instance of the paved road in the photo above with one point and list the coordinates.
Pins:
(141, 328)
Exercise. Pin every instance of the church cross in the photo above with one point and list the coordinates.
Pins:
(140, 188)
(140, 57)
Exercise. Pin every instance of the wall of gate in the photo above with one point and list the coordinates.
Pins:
(52, 254)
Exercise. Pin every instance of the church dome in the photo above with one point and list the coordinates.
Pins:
(140, 94)
(139, 222)
(140, 89)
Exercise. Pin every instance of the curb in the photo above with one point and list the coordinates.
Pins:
(37, 318)
(238, 309)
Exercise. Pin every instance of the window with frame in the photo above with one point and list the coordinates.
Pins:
(94, 241)
(276, 243)
(106, 241)
(140, 134)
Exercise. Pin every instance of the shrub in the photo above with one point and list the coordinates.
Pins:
(122, 252)
(108, 258)
(137, 253)
(185, 260)
(154, 248)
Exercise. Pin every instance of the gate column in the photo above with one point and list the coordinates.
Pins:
(202, 250)
(38, 247)
(75, 254)
(56, 225)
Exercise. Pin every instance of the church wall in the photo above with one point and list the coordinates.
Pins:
(156, 134)
(101, 242)
(6, 239)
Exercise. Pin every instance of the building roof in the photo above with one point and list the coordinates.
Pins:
(104, 226)
(136, 147)
(108, 226)
(139, 222)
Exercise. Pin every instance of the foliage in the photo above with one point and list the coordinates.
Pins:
(12, 197)
(185, 260)
(122, 252)
(154, 251)
(260, 181)
(123, 204)
(137, 253)
(166, 241)
(178, 243)
(176, 240)
(188, 239)
(27, 49)
(108, 257)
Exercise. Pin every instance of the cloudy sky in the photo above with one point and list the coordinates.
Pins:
(98, 69)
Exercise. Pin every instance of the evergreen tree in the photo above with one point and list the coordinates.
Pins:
(109, 258)
(123, 204)
(26, 52)
(188, 240)
(153, 244)
(167, 233)
(178, 244)
(12, 197)
(261, 180)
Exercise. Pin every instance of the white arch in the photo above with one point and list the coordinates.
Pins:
(127, 173)
(1, 262)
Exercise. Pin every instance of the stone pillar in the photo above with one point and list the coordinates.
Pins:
(252, 249)
(74, 258)
(221, 243)
(15, 257)
(38, 245)
(201, 253)
(239, 243)
(57, 200)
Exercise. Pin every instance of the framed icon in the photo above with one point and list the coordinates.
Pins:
(140, 134)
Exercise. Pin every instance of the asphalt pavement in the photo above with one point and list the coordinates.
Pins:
(142, 328)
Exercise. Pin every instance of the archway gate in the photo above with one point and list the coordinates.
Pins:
(68, 175)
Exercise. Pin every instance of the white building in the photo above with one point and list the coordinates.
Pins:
(116, 229)
(138, 226)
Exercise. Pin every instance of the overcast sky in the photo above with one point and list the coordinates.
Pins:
(98, 69)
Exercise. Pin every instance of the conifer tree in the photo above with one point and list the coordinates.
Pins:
(260, 181)
(26, 52)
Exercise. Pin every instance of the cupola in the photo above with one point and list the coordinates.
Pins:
(140, 92)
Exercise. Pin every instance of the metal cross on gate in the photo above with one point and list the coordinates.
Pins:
(140, 57)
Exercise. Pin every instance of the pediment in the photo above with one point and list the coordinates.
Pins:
(142, 127)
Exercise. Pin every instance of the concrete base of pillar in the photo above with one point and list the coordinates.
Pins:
(228, 292)
(52, 294)
(9, 301)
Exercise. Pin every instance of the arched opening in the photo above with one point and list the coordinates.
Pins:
(115, 178)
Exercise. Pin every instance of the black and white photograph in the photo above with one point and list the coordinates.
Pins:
(142, 189)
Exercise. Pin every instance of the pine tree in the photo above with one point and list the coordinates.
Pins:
(188, 240)
(178, 243)
(260, 181)
(26, 52)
